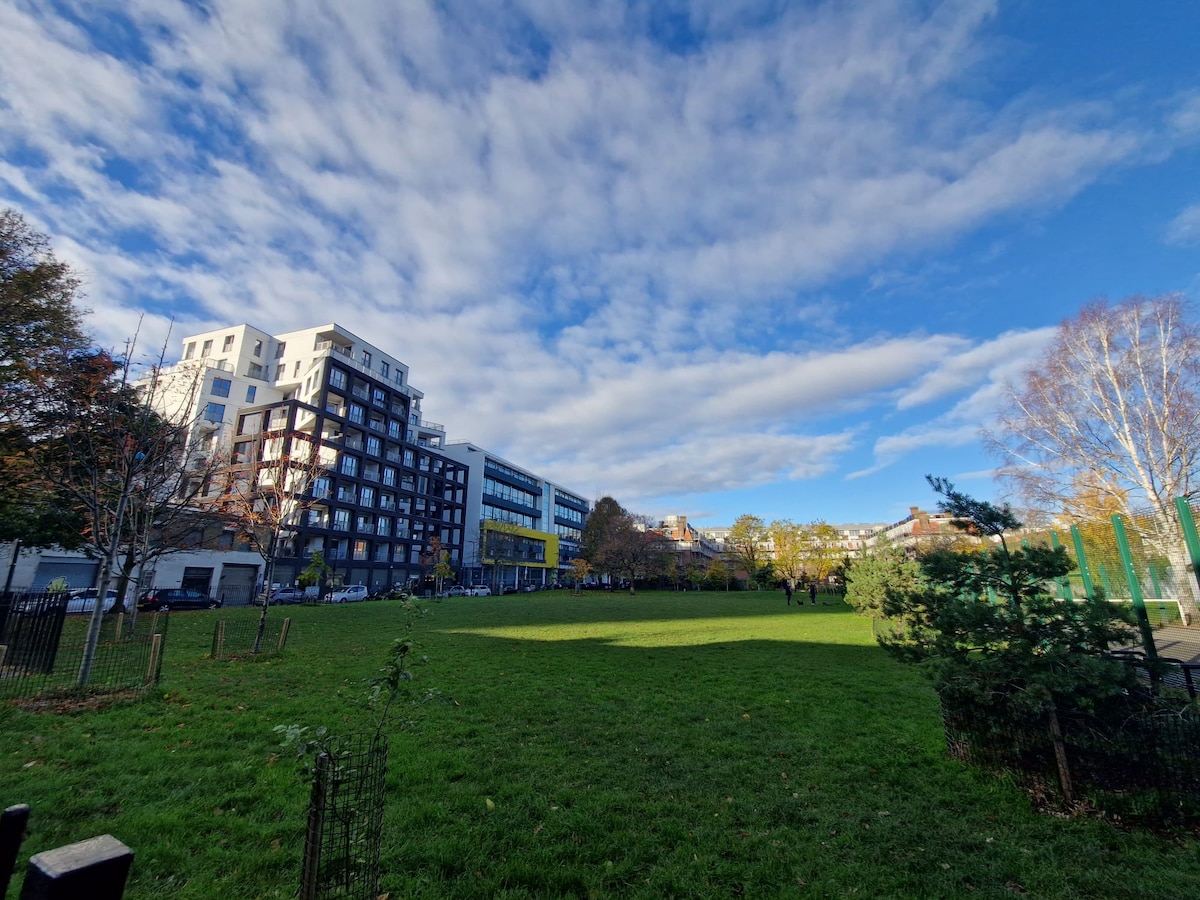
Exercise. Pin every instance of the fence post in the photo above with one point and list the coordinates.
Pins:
(95, 868)
(1064, 583)
(1089, 589)
(218, 639)
(283, 632)
(1135, 589)
(155, 649)
(12, 830)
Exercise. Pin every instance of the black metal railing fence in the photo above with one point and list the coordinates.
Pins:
(42, 649)
(1142, 766)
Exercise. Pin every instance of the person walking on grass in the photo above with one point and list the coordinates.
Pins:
(812, 592)
(787, 590)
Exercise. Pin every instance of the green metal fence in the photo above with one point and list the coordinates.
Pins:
(1149, 560)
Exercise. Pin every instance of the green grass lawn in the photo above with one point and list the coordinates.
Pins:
(660, 745)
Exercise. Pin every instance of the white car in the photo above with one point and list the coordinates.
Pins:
(349, 594)
(78, 602)
(84, 601)
(480, 590)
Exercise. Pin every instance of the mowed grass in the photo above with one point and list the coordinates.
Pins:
(659, 745)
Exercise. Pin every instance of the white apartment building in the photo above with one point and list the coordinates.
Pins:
(389, 490)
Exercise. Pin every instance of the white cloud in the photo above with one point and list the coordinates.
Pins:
(599, 257)
(1184, 229)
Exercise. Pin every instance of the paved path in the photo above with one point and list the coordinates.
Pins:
(1176, 642)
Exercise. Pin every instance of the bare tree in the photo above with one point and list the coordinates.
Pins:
(120, 463)
(262, 488)
(1112, 411)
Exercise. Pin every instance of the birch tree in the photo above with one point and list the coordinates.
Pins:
(1112, 410)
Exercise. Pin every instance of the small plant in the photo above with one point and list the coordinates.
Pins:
(345, 812)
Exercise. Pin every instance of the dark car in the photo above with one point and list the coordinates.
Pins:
(176, 598)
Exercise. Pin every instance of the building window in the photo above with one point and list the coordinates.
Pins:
(383, 527)
(366, 359)
(341, 519)
(220, 387)
(381, 552)
(321, 487)
(250, 392)
(360, 550)
(296, 369)
(350, 465)
(227, 344)
(409, 458)
(374, 446)
(191, 350)
(214, 412)
(254, 370)
(205, 349)
(367, 496)
(280, 348)
(358, 414)
(258, 348)
(399, 376)
(384, 368)
(337, 378)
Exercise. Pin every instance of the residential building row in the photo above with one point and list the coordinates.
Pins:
(392, 488)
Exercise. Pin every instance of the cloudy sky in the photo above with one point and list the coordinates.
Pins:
(714, 257)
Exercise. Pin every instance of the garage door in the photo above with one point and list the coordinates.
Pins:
(78, 573)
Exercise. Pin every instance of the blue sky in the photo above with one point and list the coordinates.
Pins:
(712, 257)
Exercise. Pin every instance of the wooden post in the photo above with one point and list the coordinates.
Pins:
(155, 649)
(283, 632)
(1060, 754)
(219, 640)
(12, 831)
(96, 868)
(310, 875)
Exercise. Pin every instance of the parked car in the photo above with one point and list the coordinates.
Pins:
(84, 601)
(349, 594)
(176, 598)
(479, 590)
(456, 591)
(288, 595)
(78, 602)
